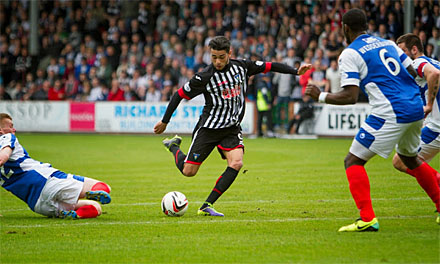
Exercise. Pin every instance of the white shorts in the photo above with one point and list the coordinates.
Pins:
(378, 136)
(61, 192)
(430, 144)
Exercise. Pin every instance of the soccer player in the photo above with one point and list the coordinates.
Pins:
(377, 66)
(46, 190)
(428, 79)
(223, 84)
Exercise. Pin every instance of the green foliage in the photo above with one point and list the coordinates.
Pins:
(286, 206)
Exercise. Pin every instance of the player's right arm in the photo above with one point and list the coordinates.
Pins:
(5, 154)
(350, 71)
(188, 91)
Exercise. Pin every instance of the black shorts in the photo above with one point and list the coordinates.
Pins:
(204, 140)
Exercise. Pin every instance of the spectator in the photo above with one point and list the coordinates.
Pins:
(104, 71)
(306, 111)
(264, 104)
(3, 94)
(116, 93)
(429, 50)
(84, 92)
(97, 91)
(152, 94)
(83, 67)
(57, 92)
(18, 92)
(318, 76)
(434, 40)
(53, 66)
(41, 94)
(71, 87)
(333, 78)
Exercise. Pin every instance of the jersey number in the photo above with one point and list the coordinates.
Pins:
(388, 61)
(3, 173)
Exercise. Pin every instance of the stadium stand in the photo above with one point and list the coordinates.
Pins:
(145, 50)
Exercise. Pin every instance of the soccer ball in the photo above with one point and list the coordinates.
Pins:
(174, 204)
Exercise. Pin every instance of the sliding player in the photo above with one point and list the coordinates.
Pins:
(46, 190)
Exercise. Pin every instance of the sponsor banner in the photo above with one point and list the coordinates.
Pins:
(336, 120)
(82, 117)
(38, 116)
(140, 117)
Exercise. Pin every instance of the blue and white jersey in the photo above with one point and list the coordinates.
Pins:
(433, 119)
(22, 175)
(378, 67)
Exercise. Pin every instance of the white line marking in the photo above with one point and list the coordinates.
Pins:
(246, 202)
(207, 220)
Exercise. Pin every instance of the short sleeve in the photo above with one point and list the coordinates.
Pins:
(419, 65)
(7, 140)
(350, 67)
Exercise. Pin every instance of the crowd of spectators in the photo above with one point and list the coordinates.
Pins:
(94, 50)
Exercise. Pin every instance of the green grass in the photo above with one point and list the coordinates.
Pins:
(287, 207)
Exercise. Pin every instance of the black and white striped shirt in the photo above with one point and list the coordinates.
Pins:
(224, 91)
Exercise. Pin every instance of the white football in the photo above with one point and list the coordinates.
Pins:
(174, 204)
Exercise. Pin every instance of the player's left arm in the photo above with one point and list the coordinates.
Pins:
(432, 76)
(283, 68)
(255, 67)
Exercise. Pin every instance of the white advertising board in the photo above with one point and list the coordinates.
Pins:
(140, 117)
(336, 120)
(38, 116)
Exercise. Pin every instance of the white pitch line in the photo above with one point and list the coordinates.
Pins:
(205, 221)
(286, 201)
(253, 202)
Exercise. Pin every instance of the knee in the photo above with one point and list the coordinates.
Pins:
(189, 172)
(236, 165)
(398, 164)
(98, 207)
(347, 162)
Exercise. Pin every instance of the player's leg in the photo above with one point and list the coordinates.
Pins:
(429, 148)
(173, 145)
(96, 190)
(426, 176)
(398, 163)
(83, 209)
(260, 124)
(231, 149)
(374, 137)
(269, 124)
(359, 186)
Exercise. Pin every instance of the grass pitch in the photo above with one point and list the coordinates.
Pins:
(286, 207)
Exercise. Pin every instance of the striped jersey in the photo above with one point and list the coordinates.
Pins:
(22, 175)
(433, 119)
(378, 67)
(224, 91)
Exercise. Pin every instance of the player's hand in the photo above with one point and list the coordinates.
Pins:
(304, 68)
(427, 109)
(160, 127)
(312, 91)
